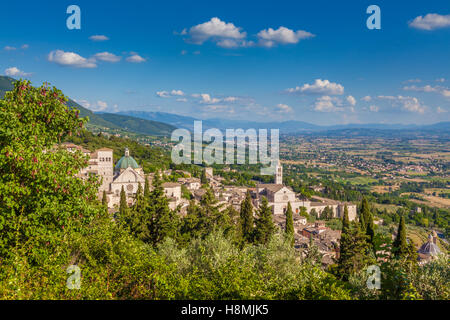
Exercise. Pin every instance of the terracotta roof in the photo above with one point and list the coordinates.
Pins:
(170, 185)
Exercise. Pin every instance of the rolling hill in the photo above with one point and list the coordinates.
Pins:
(106, 120)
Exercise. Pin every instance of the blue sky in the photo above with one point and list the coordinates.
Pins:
(314, 61)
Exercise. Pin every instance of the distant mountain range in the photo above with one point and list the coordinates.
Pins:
(162, 123)
(291, 126)
(107, 120)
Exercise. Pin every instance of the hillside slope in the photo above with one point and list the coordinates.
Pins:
(106, 120)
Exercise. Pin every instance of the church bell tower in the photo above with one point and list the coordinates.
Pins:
(278, 173)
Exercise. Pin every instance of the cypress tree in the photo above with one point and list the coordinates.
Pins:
(345, 220)
(203, 178)
(412, 254)
(400, 246)
(146, 188)
(123, 208)
(264, 226)
(289, 229)
(246, 218)
(105, 202)
(354, 252)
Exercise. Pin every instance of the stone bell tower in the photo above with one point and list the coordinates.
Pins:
(278, 173)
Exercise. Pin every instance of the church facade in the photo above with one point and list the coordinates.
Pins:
(127, 174)
(278, 195)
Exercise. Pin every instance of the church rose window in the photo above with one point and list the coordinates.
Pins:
(130, 187)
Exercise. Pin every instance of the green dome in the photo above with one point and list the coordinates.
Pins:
(126, 161)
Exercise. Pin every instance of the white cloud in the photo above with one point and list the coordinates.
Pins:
(98, 37)
(319, 87)
(8, 48)
(183, 52)
(284, 108)
(440, 80)
(162, 94)
(328, 104)
(231, 99)
(106, 56)
(438, 89)
(430, 22)
(70, 59)
(216, 30)
(426, 88)
(351, 100)
(182, 100)
(14, 72)
(167, 94)
(97, 106)
(177, 93)
(135, 58)
(270, 37)
(206, 98)
(366, 98)
(101, 105)
(410, 104)
(24, 46)
(440, 110)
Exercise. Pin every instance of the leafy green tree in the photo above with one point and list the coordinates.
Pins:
(264, 226)
(246, 218)
(312, 254)
(41, 197)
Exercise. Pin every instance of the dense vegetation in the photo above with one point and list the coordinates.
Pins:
(50, 220)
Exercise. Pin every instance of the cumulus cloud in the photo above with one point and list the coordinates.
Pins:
(98, 37)
(328, 104)
(366, 98)
(319, 87)
(167, 94)
(16, 72)
(270, 37)
(24, 46)
(135, 58)
(227, 35)
(351, 100)
(9, 48)
(99, 105)
(106, 56)
(440, 80)
(438, 89)
(215, 30)
(177, 93)
(426, 88)
(431, 21)
(410, 104)
(283, 108)
(206, 98)
(70, 59)
(440, 110)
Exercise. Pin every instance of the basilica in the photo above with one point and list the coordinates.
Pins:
(126, 174)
